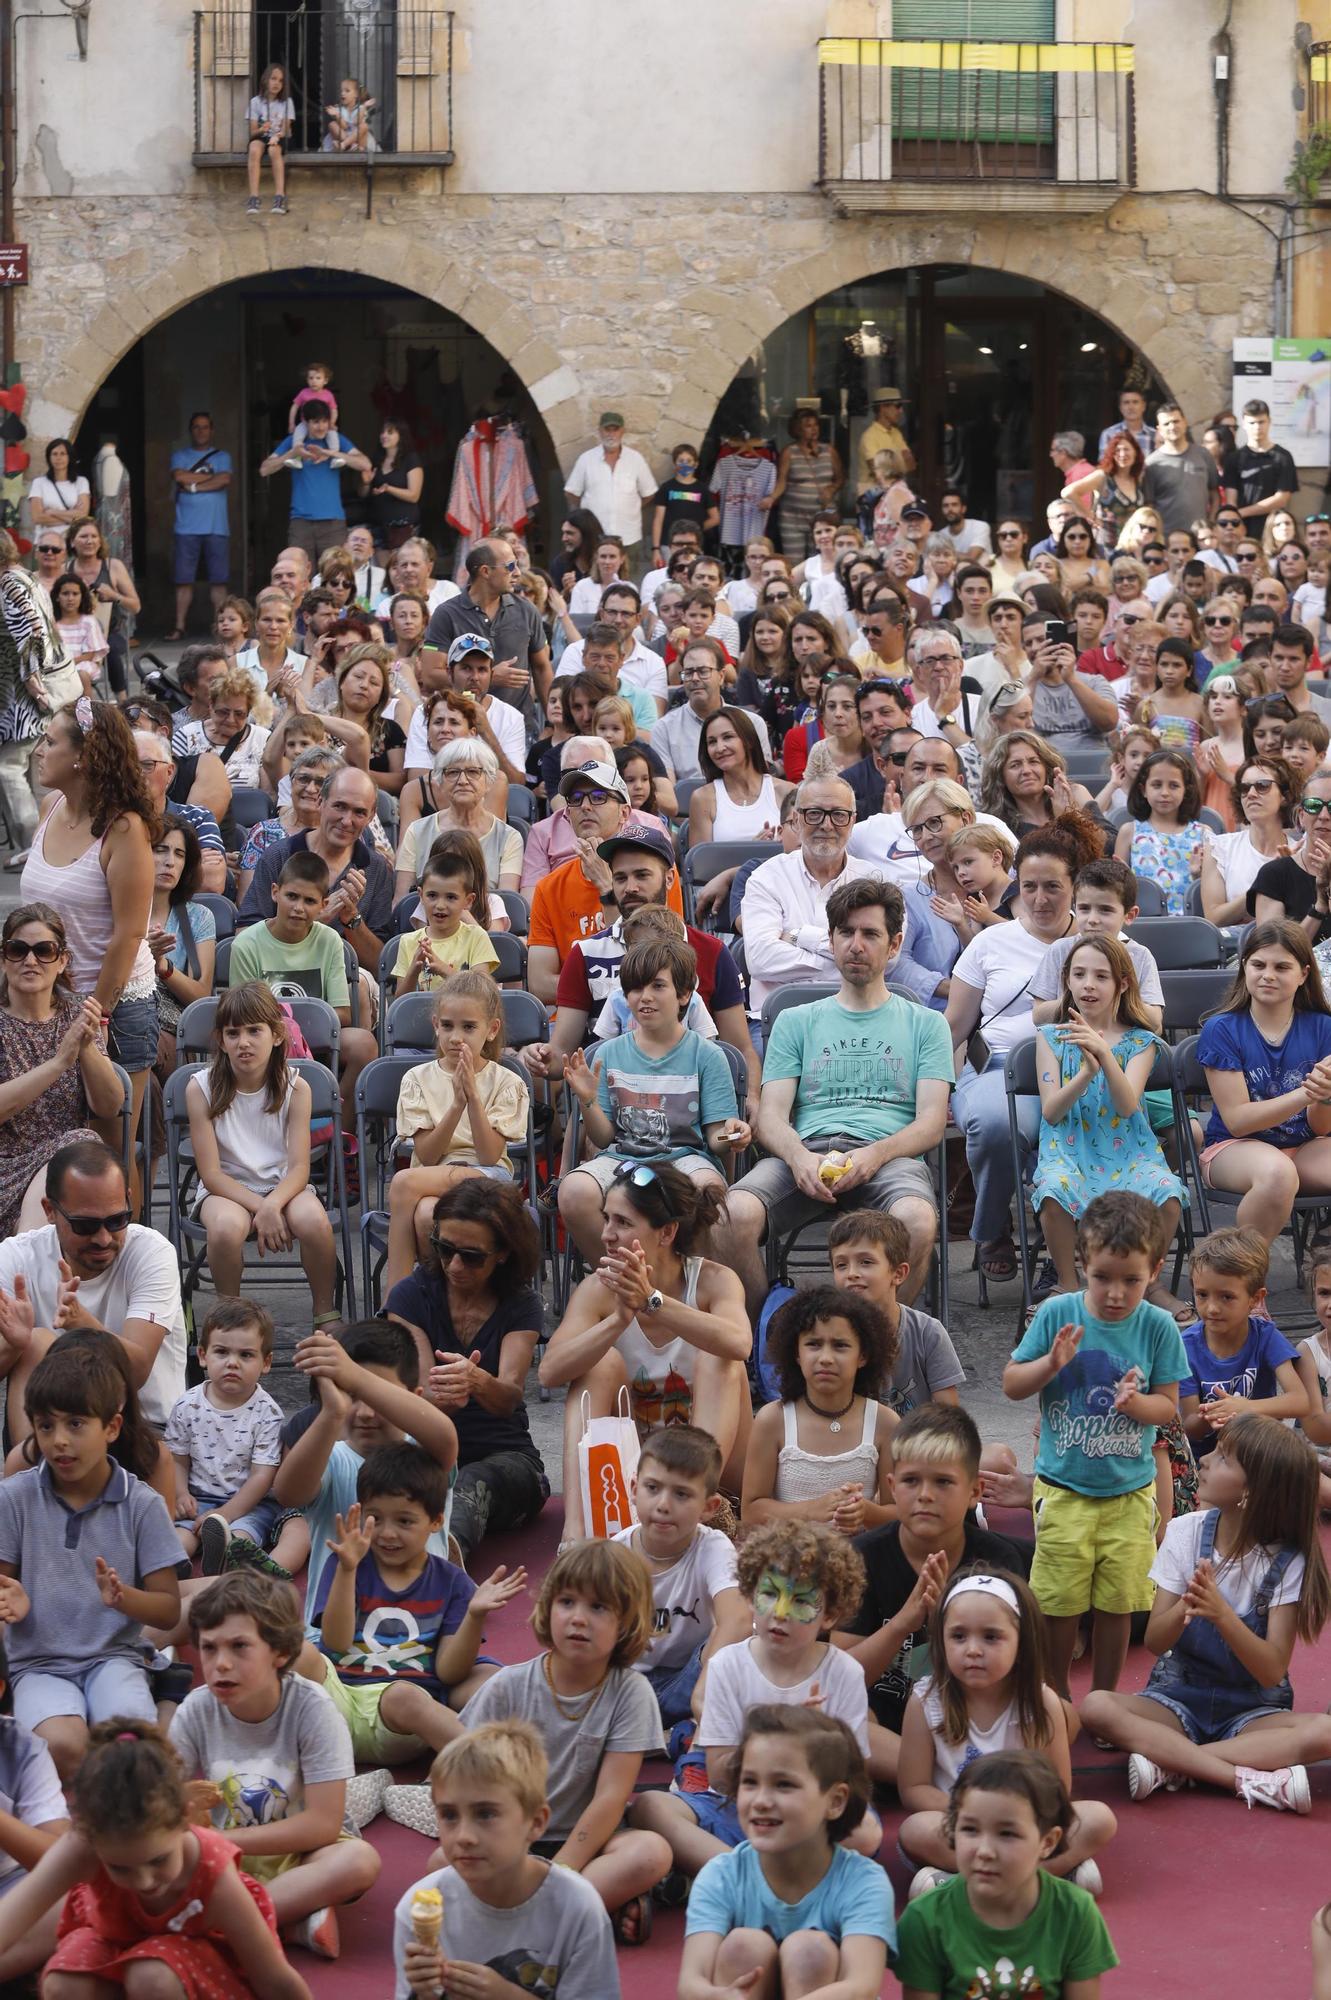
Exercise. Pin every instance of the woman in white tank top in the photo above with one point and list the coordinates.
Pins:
(656, 1321)
(824, 1452)
(743, 801)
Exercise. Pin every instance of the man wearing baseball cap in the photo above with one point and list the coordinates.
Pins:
(883, 434)
(578, 899)
(613, 480)
(470, 660)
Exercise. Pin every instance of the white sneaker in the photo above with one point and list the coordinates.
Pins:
(1285, 1791)
(1088, 1877)
(1144, 1777)
(925, 1880)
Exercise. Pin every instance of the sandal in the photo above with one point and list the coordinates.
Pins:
(998, 1260)
(632, 1921)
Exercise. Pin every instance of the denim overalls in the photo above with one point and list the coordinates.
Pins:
(1201, 1681)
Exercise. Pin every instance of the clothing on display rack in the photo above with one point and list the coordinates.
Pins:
(745, 474)
(492, 482)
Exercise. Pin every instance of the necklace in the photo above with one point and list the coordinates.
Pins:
(569, 1714)
(832, 1418)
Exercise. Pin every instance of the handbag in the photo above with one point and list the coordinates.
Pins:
(607, 1467)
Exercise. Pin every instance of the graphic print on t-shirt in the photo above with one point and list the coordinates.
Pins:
(1081, 1414)
(252, 1798)
(654, 1111)
(525, 1971)
(656, 1403)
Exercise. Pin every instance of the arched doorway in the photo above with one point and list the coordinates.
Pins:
(241, 351)
(991, 364)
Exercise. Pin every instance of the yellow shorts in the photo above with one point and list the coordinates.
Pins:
(371, 1738)
(1093, 1554)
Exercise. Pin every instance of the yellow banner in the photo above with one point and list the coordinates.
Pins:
(1025, 58)
(1319, 68)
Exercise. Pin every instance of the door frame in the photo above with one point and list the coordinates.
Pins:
(929, 316)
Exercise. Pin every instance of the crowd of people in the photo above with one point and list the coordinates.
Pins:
(796, 838)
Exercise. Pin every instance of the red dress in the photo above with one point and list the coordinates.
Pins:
(103, 1929)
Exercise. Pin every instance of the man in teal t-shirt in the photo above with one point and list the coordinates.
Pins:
(856, 1086)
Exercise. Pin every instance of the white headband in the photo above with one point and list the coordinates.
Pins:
(987, 1586)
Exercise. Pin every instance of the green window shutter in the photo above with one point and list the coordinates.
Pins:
(972, 107)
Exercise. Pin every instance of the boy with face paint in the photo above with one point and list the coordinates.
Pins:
(802, 1580)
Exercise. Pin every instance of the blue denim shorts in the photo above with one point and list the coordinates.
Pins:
(132, 1037)
(715, 1812)
(1211, 1714)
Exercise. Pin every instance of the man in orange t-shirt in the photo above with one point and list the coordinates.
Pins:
(577, 900)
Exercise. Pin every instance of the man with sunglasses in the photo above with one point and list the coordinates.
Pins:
(785, 904)
(1229, 533)
(883, 629)
(117, 1277)
(52, 557)
(490, 609)
(884, 712)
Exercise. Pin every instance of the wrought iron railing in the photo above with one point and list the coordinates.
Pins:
(401, 59)
(975, 111)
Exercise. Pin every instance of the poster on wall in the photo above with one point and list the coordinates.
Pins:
(1294, 377)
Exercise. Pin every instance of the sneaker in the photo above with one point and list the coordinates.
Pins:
(672, 1891)
(365, 1796)
(412, 1805)
(279, 204)
(1284, 1791)
(242, 1553)
(925, 1880)
(214, 1535)
(1088, 1877)
(253, 206)
(1144, 1777)
(318, 1933)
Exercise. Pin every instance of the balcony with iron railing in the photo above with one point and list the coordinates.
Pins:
(930, 125)
(403, 59)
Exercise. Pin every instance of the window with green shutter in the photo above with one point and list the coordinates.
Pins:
(959, 106)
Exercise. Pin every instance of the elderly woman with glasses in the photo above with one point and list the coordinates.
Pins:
(933, 814)
(1007, 706)
(464, 772)
(1264, 794)
(301, 815)
(230, 730)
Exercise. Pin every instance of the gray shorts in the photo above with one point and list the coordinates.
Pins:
(117, 1686)
(772, 1183)
(698, 1167)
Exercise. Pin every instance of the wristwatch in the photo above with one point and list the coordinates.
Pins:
(653, 1301)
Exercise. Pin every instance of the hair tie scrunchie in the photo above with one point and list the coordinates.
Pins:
(83, 716)
(127, 1736)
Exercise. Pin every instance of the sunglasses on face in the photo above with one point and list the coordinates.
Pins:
(46, 951)
(1314, 806)
(50, 548)
(93, 1225)
(448, 1250)
(1219, 623)
(1257, 785)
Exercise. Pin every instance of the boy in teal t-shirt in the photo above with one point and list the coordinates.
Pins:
(1106, 1367)
(658, 1093)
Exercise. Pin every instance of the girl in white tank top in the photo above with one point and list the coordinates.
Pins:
(249, 1121)
(823, 1451)
(985, 1692)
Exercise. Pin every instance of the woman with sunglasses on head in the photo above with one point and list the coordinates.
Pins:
(1220, 754)
(55, 1073)
(1265, 720)
(1114, 488)
(474, 1309)
(657, 1319)
(1295, 885)
(1264, 806)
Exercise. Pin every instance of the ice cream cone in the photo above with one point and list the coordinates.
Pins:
(427, 1917)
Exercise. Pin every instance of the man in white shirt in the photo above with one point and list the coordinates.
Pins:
(970, 539)
(470, 665)
(881, 840)
(640, 666)
(1180, 547)
(122, 1279)
(678, 733)
(785, 904)
(369, 576)
(612, 480)
(411, 571)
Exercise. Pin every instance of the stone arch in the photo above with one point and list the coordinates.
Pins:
(1114, 266)
(133, 308)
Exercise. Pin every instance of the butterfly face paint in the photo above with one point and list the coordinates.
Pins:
(780, 1596)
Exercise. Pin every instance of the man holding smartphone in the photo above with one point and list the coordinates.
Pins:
(1072, 710)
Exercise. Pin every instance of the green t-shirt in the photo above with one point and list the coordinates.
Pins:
(316, 967)
(943, 1948)
(857, 1072)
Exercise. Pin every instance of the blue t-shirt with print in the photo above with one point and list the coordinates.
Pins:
(1250, 1373)
(1233, 1041)
(659, 1105)
(316, 489)
(398, 1631)
(854, 1899)
(1085, 1443)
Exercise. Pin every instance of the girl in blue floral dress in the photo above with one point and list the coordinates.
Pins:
(1093, 1066)
(1162, 839)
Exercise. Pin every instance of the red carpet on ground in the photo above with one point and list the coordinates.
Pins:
(1197, 1887)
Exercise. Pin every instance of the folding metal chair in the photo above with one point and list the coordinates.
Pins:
(223, 909)
(1191, 996)
(1180, 944)
(316, 1020)
(710, 857)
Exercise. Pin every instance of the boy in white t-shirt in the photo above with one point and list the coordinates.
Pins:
(695, 1581)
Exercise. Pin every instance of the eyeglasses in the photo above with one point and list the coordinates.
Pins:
(147, 764)
(837, 816)
(46, 951)
(598, 797)
(934, 824)
(1153, 561)
(448, 1250)
(696, 673)
(938, 660)
(1257, 785)
(1131, 618)
(93, 1225)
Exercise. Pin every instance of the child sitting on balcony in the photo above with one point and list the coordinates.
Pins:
(349, 120)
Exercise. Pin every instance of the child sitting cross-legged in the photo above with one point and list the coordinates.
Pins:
(801, 1579)
(399, 1628)
(224, 1434)
(497, 1916)
(597, 1719)
(695, 1583)
(792, 1910)
(278, 1752)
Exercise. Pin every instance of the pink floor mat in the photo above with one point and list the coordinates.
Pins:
(1192, 1880)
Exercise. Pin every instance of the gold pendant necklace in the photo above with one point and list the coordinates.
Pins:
(569, 1714)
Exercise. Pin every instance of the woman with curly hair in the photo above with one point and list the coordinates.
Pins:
(1115, 485)
(92, 860)
(1024, 782)
(806, 1460)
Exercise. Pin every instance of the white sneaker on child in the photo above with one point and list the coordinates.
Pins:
(1088, 1877)
(413, 1806)
(927, 1879)
(1285, 1791)
(318, 1933)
